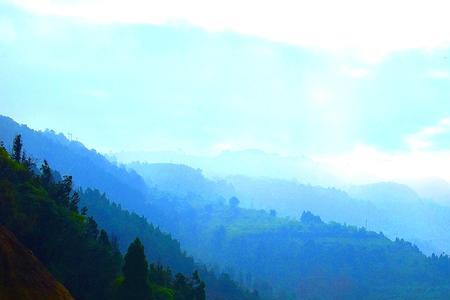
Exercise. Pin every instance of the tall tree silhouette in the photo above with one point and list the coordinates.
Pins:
(198, 286)
(135, 271)
(17, 148)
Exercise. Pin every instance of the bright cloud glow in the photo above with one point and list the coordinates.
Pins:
(423, 138)
(368, 164)
(354, 72)
(439, 74)
(229, 89)
(370, 29)
(320, 96)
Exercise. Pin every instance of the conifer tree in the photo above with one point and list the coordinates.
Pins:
(135, 272)
(17, 148)
(46, 174)
(198, 286)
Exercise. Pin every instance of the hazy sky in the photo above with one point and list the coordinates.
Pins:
(361, 86)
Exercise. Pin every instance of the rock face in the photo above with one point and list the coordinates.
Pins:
(22, 275)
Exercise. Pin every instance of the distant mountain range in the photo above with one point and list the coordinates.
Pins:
(250, 162)
(392, 208)
(274, 235)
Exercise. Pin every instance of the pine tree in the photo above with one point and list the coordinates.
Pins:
(135, 272)
(103, 239)
(17, 148)
(181, 287)
(198, 286)
(46, 174)
(92, 228)
(74, 200)
(28, 162)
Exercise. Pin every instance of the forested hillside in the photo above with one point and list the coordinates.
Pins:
(43, 212)
(88, 168)
(310, 259)
(392, 208)
(284, 258)
(160, 247)
(389, 207)
(302, 256)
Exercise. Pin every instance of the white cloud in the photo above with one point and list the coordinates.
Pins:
(438, 74)
(354, 72)
(423, 139)
(368, 29)
(320, 96)
(366, 164)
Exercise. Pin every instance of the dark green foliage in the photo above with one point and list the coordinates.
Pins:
(41, 218)
(46, 175)
(161, 249)
(17, 148)
(186, 288)
(88, 168)
(310, 259)
(42, 211)
(160, 275)
(135, 285)
(127, 226)
(198, 287)
(103, 239)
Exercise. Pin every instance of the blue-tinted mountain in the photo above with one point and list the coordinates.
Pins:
(287, 258)
(184, 182)
(88, 168)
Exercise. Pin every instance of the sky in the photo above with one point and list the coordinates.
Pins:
(360, 87)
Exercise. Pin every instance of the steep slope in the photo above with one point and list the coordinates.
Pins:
(22, 275)
(43, 212)
(88, 168)
(160, 247)
(262, 250)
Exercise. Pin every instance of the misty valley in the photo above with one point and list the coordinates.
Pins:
(194, 237)
(224, 150)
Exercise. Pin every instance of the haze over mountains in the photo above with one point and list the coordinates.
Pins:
(391, 208)
(279, 257)
(224, 150)
(169, 87)
(251, 162)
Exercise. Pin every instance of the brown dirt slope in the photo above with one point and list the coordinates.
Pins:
(22, 275)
